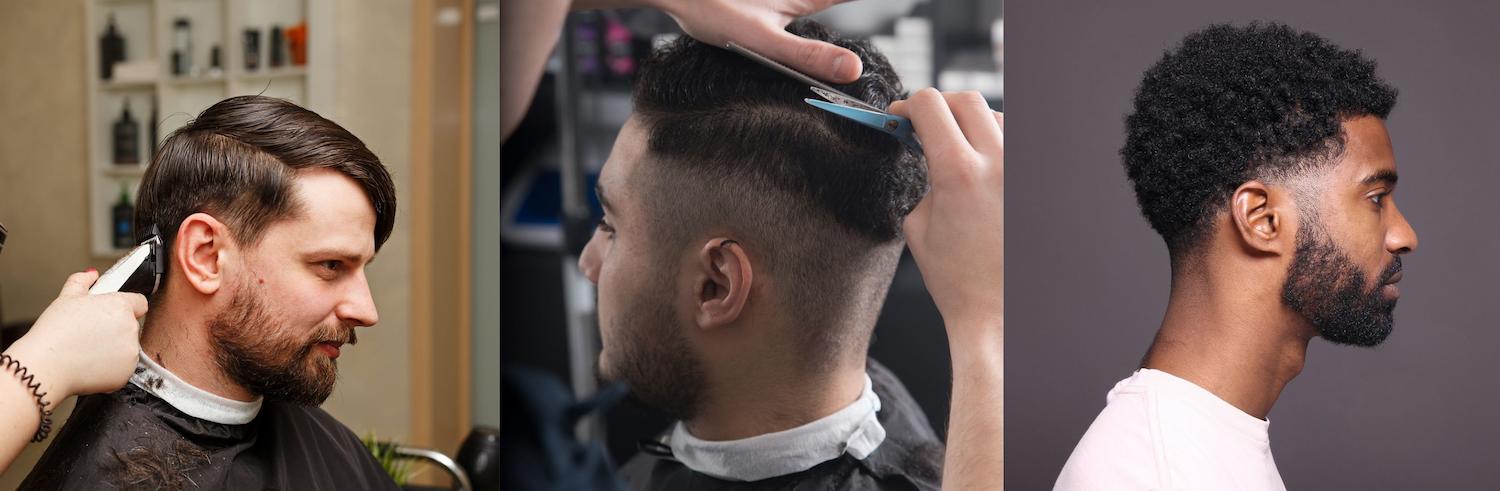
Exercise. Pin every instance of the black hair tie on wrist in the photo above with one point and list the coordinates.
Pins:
(29, 380)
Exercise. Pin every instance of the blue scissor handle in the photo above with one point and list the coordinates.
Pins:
(890, 124)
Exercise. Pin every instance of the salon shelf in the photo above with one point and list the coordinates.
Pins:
(149, 32)
(190, 81)
(118, 86)
(285, 72)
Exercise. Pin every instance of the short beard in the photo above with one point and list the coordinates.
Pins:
(1325, 287)
(654, 358)
(268, 358)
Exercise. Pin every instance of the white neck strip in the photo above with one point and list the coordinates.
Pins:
(854, 430)
(195, 402)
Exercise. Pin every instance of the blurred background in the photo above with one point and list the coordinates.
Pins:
(552, 160)
(88, 87)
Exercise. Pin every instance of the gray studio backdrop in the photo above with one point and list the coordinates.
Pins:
(1087, 280)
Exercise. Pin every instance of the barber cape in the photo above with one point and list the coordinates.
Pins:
(842, 451)
(158, 432)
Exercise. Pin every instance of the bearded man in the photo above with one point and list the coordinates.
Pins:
(1260, 155)
(269, 214)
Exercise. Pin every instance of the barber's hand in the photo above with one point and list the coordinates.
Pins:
(83, 344)
(957, 232)
(761, 26)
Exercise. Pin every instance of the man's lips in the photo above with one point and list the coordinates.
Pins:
(330, 348)
(1394, 279)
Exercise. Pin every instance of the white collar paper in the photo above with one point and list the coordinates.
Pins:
(195, 402)
(853, 430)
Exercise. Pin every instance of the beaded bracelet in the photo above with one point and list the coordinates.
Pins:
(29, 380)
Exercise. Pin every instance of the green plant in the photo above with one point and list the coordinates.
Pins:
(397, 466)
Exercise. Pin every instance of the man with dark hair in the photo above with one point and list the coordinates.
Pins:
(1260, 155)
(268, 215)
(747, 245)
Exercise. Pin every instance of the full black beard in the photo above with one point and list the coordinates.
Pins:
(1328, 289)
(260, 354)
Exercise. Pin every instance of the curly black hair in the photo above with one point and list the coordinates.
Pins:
(1233, 104)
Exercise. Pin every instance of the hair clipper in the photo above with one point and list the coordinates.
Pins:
(138, 272)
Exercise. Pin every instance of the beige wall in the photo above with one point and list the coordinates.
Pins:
(373, 100)
(43, 182)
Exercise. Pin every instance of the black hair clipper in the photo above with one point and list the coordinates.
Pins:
(138, 272)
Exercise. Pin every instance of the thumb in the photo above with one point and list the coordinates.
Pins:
(821, 60)
(78, 283)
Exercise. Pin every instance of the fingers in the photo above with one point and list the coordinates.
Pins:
(976, 120)
(934, 124)
(78, 284)
(137, 303)
(818, 59)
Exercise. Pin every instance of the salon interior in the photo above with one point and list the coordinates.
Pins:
(550, 163)
(88, 88)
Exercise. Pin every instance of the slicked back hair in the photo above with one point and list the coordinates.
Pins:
(238, 161)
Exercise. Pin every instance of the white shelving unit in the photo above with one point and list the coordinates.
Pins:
(147, 26)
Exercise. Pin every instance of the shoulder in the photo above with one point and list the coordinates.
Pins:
(85, 449)
(306, 435)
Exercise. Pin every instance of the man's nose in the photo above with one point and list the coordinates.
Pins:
(358, 306)
(588, 262)
(1401, 238)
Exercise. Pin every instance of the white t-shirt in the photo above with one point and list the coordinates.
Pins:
(1161, 432)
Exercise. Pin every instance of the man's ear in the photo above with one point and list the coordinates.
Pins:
(1259, 216)
(724, 287)
(200, 252)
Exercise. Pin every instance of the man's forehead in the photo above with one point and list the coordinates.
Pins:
(1367, 151)
(334, 213)
(624, 160)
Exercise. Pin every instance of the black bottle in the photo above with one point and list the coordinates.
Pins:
(278, 48)
(151, 129)
(111, 50)
(252, 49)
(123, 213)
(127, 138)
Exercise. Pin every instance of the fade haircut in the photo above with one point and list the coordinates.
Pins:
(817, 200)
(238, 161)
(1235, 104)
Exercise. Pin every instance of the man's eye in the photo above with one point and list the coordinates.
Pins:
(332, 265)
(605, 227)
(1378, 199)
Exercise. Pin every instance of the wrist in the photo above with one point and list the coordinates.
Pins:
(39, 364)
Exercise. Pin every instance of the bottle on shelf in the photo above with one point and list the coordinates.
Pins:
(278, 49)
(182, 42)
(151, 127)
(123, 214)
(111, 50)
(252, 49)
(127, 133)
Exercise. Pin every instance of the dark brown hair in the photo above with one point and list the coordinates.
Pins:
(237, 161)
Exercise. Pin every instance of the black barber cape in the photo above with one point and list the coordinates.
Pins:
(911, 457)
(285, 447)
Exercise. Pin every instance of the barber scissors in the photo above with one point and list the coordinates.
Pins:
(841, 104)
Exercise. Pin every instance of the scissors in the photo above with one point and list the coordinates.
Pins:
(841, 104)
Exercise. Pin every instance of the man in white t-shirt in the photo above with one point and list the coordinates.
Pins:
(1260, 155)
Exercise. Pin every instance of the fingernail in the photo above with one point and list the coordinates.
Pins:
(91, 270)
(838, 62)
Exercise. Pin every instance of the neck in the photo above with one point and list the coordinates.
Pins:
(1236, 341)
(179, 342)
(772, 398)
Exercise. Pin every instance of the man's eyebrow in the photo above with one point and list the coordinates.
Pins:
(341, 254)
(1386, 176)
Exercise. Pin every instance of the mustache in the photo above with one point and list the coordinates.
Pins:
(1390, 271)
(343, 335)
